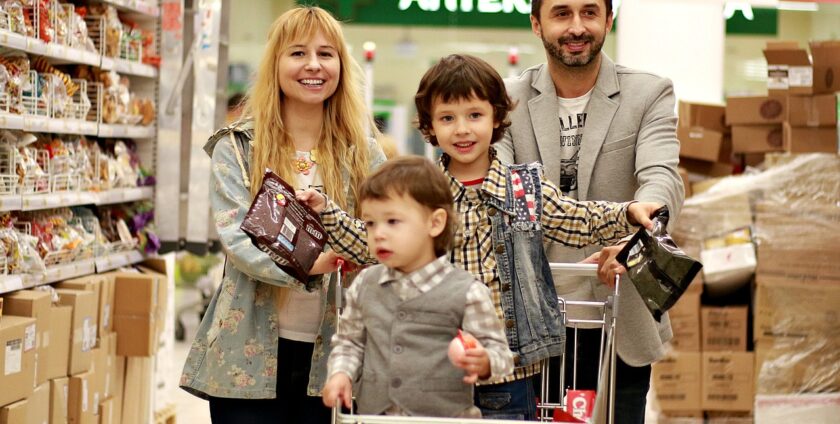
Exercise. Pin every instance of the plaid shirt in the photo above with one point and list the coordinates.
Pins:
(479, 319)
(563, 220)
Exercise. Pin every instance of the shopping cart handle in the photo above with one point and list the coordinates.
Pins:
(574, 269)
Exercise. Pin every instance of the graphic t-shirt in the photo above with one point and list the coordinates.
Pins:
(572, 117)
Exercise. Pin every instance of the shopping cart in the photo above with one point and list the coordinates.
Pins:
(603, 411)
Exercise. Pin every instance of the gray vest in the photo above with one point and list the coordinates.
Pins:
(405, 359)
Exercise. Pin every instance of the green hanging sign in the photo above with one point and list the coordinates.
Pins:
(455, 13)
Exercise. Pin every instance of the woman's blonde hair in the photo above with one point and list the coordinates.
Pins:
(347, 123)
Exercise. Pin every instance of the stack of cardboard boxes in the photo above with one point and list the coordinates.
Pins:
(72, 354)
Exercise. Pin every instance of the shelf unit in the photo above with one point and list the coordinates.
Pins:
(144, 79)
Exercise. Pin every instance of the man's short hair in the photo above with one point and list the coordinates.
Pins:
(536, 5)
(420, 179)
(461, 77)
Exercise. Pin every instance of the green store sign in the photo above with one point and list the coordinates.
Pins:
(488, 14)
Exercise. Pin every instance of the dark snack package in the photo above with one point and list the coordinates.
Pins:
(659, 269)
(290, 232)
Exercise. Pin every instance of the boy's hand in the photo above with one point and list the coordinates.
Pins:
(326, 263)
(639, 213)
(312, 198)
(475, 362)
(608, 266)
(337, 391)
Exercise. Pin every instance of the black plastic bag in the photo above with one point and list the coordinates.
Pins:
(289, 231)
(659, 269)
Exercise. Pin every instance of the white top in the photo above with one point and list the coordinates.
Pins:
(572, 114)
(299, 313)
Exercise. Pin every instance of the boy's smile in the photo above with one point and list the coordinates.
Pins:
(463, 129)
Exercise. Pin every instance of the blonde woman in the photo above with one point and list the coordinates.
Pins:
(260, 352)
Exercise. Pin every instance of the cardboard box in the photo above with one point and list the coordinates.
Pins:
(103, 295)
(704, 144)
(34, 304)
(711, 117)
(58, 340)
(80, 402)
(59, 400)
(162, 289)
(137, 387)
(810, 140)
(676, 381)
(38, 405)
(110, 380)
(727, 381)
(804, 311)
(135, 314)
(812, 111)
(724, 329)
(119, 388)
(789, 69)
(685, 323)
(106, 412)
(708, 169)
(17, 365)
(826, 59)
(15, 413)
(757, 138)
(83, 337)
(755, 110)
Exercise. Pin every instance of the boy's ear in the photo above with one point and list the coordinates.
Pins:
(437, 222)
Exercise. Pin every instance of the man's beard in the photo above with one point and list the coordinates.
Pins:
(574, 60)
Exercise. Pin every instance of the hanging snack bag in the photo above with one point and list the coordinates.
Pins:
(290, 232)
(659, 269)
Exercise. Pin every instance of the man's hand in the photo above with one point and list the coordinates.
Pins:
(326, 263)
(338, 390)
(639, 213)
(315, 200)
(608, 266)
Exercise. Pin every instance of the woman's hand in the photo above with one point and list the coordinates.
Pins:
(312, 198)
(640, 213)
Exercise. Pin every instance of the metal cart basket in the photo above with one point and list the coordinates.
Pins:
(603, 411)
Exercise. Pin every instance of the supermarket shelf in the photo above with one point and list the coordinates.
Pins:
(31, 202)
(126, 131)
(50, 50)
(69, 270)
(115, 260)
(147, 8)
(128, 67)
(12, 282)
(12, 122)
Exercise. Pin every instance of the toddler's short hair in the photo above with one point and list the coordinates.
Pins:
(461, 77)
(420, 179)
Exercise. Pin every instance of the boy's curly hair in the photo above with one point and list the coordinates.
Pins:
(462, 77)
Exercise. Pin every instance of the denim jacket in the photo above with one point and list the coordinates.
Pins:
(234, 353)
(528, 296)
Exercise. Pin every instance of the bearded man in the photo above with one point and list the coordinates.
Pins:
(603, 132)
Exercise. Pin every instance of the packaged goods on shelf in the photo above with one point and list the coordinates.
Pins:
(797, 408)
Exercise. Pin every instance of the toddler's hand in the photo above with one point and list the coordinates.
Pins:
(337, 391)
(474, 361)
(312, 198)
(326, 263)
(639, 213)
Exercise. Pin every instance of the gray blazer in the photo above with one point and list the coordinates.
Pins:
(629, 151)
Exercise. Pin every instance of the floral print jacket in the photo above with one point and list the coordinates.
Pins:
(234, 354)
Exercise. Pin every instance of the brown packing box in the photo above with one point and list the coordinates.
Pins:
(796, 310)
(724, 329)
(103, 286)
(757, 138)
(108, 344)
(38, 405)
(84, 327)
(826, 58)
(59, 398)
(96, 381)
(676, 381)
(119, 388)
(793, 365)
(80, 402)
(728, 381)
(15, 413)
(157, 268)
(755, 110)
(704, 144)
(709, 169)
(34, 304)
(106, 412)
(812, 111)
(809, 140)
(135, 313)
(685, 322)
(59, 335)
(788, 248)
(712, 117)
(789, 69)
(17, 366)
(137, 387)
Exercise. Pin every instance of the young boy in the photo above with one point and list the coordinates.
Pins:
(401, 316)
(507, 212)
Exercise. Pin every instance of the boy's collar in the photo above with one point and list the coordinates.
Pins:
(494, 183)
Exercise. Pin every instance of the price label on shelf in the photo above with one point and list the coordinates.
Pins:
(4, 38)
(10, 283)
